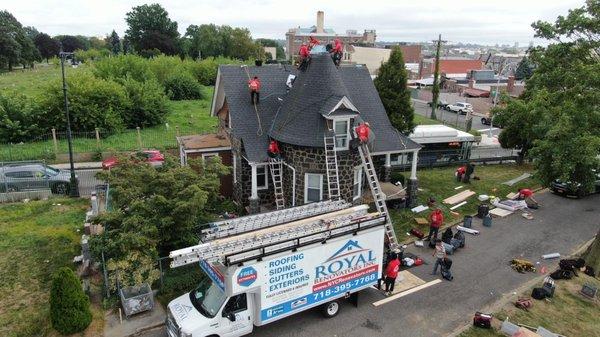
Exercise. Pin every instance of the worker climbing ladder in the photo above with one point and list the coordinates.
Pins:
(378, 195)
(333, 183)
(276, 168)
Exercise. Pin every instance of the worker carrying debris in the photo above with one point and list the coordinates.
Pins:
(527, 195)
(337, 52)
(274, 149)
(304, 56)
(254, 86)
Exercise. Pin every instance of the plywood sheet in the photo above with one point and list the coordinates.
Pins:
(409, 280)
(462, 196)
(500, 212)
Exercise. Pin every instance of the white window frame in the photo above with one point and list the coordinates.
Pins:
(347, 121)
(306, 175)
(266, 185)
(357, 181)
(209, 154)
(401, 159)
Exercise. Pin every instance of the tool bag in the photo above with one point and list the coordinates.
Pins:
(524, 303)
(483, 210)
(417, 232)
(487, 220)
(549, 286)
(460, 236)
(482, 320)
(538, 293)
(467, 221)
(447, 235)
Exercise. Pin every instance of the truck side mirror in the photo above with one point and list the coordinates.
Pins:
(231, 316)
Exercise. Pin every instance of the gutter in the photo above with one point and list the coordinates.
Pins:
(293, 182)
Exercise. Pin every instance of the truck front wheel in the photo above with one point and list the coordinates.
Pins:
(331, 309)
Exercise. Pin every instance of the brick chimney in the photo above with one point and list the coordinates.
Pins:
(510, 85)
(471, 82)
(320, 22)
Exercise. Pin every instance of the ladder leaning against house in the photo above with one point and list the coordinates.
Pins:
(378, 195)
(333, 183)
(276, 168)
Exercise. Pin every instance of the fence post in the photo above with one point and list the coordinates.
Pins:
(161, 272)
(54, 141)
(139, 138)
(97, 139)
(177, 130)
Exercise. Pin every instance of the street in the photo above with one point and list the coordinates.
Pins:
(452, 118)
(481, 270)
(87, 181)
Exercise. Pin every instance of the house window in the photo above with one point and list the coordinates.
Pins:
(357, 186)
(399, 159)
(341, 129)
(261, 177)
(209, 155)
(313, 187)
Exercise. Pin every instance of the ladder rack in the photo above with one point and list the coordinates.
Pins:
(215, 251)
(225, 228)
(276, 168)
(333, 183)
(378, 195)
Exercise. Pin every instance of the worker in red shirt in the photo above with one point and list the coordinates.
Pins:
(312, 41)
(391, 272)
(363, 131)
(337, 52)
(254, 86)
(527, 195)
(436, 218)
(460, 172)
(274, 149)
(304, 56)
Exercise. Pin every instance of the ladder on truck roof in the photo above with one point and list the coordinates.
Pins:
(276, 168)
(378, 195)
(333, 183)
(225, 228)
(254, 245)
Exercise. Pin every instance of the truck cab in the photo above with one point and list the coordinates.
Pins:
(207, 311)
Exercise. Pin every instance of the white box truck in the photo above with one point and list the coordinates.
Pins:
(285, 269)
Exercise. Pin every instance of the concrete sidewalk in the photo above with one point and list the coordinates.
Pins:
(136, 325)
(79, 166)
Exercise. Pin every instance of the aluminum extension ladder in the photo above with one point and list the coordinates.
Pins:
(333, 183)
(276, 168)
(378, 195)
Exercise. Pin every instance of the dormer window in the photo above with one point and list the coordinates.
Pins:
(341, 128)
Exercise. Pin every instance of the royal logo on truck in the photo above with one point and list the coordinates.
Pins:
(247, 276)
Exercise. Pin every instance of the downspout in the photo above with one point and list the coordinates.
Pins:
(293, 182)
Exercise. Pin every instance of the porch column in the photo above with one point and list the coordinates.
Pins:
(413, 184)
(254, 201)
(387, 168)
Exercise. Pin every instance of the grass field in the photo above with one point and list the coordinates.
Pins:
(422, 120)
(36, 238)
(439, 183)
(32, 81)
(567, 313)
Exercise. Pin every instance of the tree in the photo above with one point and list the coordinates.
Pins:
(31, 32)
(47, 46)
(97, 43)
(557, 119)
(71, 43)
(204, 41)
(436, 78)
(69, 305)
(114, 43)
(391, 83)
(524, 69)
(151, 28)
(280, 53)
(15, 46)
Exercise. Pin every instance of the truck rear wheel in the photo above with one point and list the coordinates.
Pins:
(331, 309)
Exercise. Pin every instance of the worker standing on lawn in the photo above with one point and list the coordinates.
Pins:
(527, 195)
(391, 272)
(436, 218)
(460, 172)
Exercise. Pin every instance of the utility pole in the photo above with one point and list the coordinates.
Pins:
(436, 78)
(74, 188)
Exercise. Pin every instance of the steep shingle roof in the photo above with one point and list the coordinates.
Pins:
(297, 117)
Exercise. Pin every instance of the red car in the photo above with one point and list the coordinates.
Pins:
(152, 157)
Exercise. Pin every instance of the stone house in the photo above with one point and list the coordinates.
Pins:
(298, 109)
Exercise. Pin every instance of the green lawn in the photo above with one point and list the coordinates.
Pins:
(36, 238)
(567, 313)
(439, 183)
(422, 120)
(33, 81)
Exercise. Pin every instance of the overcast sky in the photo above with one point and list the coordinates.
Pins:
(475, 21)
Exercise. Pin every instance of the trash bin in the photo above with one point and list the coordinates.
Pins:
(467, 221)
(483, 210)
(487, 220)
(136, 299)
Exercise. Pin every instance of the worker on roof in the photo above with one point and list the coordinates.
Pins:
(337, 52)
(274, 149)
(254, 86)
(304, 56)
(363, 131)
(312, 41)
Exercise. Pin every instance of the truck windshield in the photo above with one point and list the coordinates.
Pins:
(207, 298)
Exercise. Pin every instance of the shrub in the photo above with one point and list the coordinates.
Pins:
(183, 86)
(18, 118)
(93, 103)
(123, 66)
(134, 269)
(69, 306)
(148, 103)
(164, 67)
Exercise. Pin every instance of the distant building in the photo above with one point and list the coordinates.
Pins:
(373, 57)
(449, 66)
(296, 36)
(272, 51)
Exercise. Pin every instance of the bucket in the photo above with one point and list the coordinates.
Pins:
(467, 221)
(487, 220)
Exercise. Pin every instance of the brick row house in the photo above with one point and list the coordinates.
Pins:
(298, 109)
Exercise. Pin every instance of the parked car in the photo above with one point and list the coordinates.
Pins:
(573, 188)
(460, 107)
(441, 104)
(152, 157)
(488, 121)
(34, 177)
